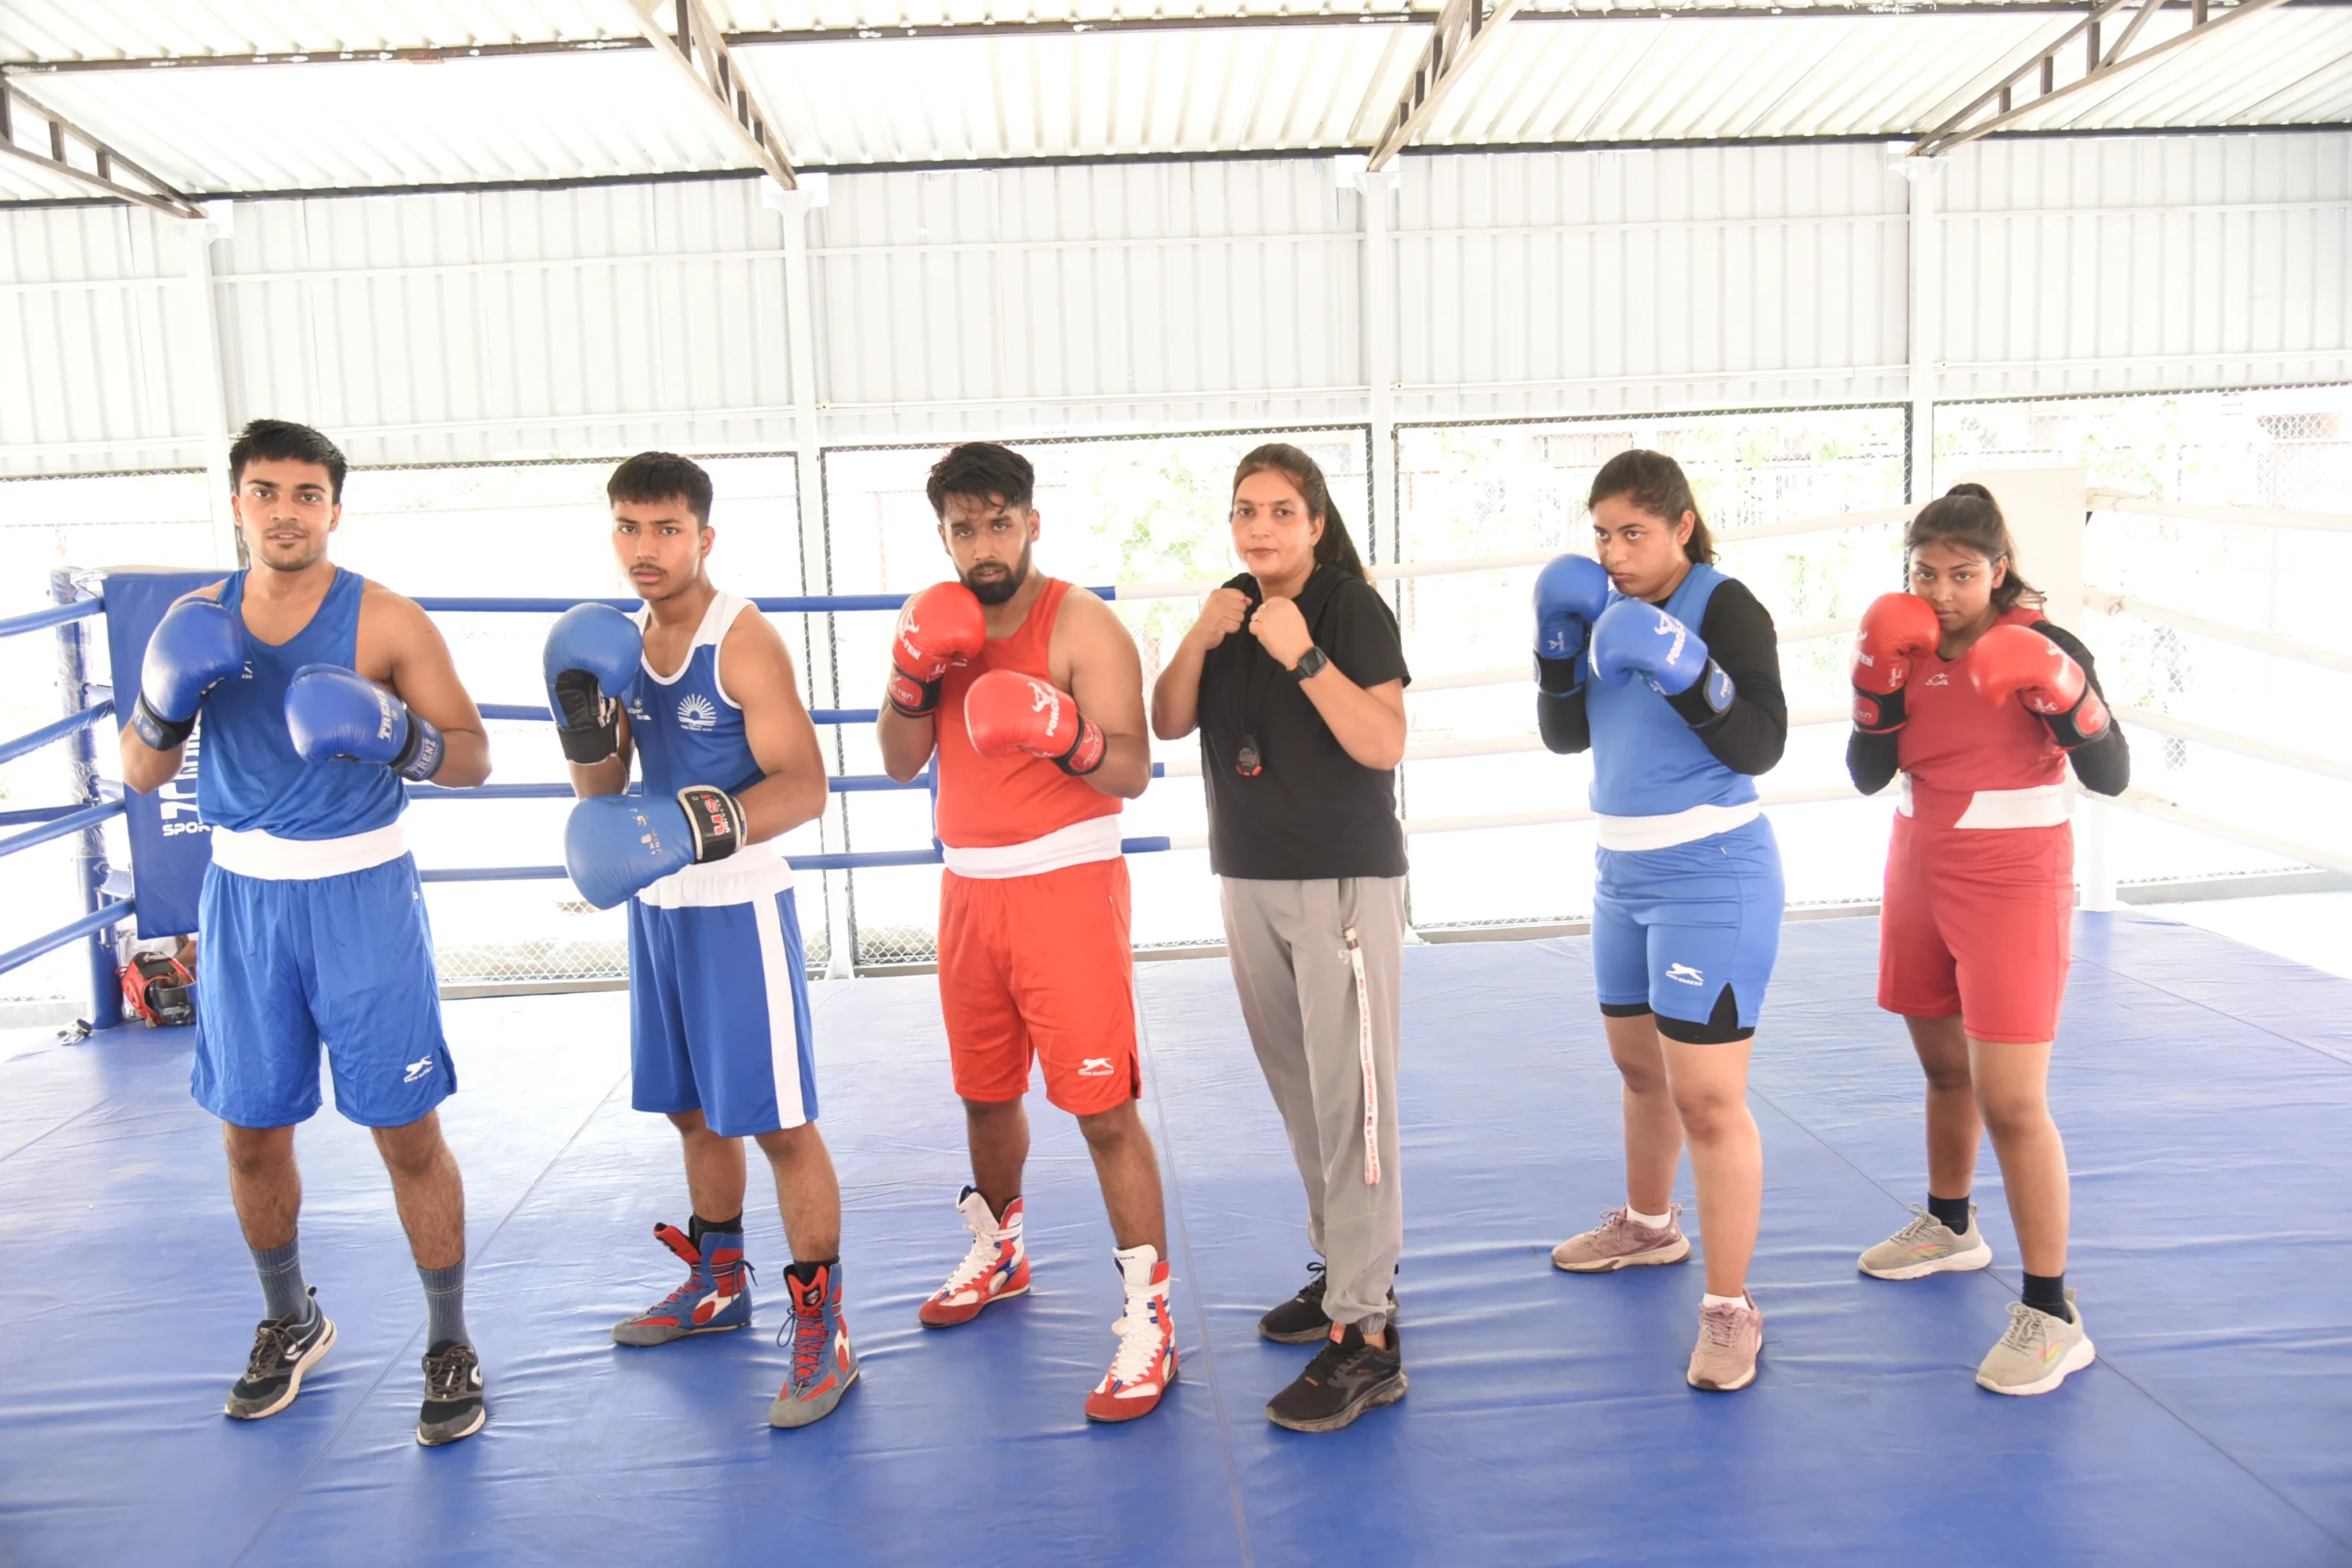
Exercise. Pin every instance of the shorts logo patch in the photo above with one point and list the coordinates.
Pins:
(1685, 974)
(1094, 1067)
(418, 1069)
(696, 713)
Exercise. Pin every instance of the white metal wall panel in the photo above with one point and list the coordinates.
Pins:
(1213, 295)
(1199, 294)
(99, 368)
(1707, 277)
(2137, 265)
(461, 327)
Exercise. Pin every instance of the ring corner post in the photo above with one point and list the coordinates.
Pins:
(91, 870)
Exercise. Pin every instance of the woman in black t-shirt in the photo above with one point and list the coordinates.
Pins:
(1295, 678)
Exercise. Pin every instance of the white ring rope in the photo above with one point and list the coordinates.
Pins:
(2247, 517)
(2244, 745)
(2197, 626)
(2156, 806)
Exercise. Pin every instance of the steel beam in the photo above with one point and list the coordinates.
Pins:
(63, 134)
(2099, 67)
(1460, 34)
(700, 50)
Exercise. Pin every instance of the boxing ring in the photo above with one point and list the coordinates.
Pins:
(2204, 1088)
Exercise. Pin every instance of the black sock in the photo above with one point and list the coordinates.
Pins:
(698, 1227)
(2047, 1292)
(1951, 1213)
(805, 1273)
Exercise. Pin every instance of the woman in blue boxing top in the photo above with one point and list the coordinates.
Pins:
(1668, 671)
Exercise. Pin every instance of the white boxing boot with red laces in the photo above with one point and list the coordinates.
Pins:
(996, 1266)
(1146, 1363)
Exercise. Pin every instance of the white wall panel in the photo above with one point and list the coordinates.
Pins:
(98, 367)
(438, 328)
(2146, 264)
(1702, 277)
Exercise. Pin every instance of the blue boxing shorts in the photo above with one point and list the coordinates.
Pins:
(718, 1007)
(291, 964)
(1690, 932)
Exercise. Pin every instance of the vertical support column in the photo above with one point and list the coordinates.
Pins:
(90, 868)
(796, 206)
(212, 391)
(1924, 281)
(2047, 509)
(1379, 192)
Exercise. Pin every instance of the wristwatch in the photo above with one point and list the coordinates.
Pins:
(1310, 663)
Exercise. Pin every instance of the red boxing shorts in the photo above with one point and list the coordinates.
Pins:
(1978, 922)
(1039, 966)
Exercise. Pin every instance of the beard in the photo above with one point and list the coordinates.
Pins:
(996, 589)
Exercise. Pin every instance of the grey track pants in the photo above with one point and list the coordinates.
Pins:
(1288, 946)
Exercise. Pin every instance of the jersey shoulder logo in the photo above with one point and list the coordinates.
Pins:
(1939, 678)
(696, 713)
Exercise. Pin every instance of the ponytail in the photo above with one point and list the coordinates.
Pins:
(1654, 483)
(1968, 516)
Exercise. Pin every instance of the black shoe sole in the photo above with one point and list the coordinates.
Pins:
(1385, 1393)
(1302, 1337)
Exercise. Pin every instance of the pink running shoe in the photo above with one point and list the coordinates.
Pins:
(1619, 1243)
(1730, 1335)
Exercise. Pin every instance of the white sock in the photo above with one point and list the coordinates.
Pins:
(1708, 1299)
(1650, 1222)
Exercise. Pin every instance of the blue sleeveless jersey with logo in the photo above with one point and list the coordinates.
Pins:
(688, 732)
(1646, 760)
(248, 775)
(718, 978)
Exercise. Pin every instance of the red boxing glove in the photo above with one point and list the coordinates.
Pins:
(1009, 712)
(1896, 628)
(942, 624)
(2013, 661)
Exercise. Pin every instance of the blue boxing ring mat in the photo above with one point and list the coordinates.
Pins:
(2205, 1090)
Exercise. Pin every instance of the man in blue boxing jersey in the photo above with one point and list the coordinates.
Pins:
(320, 692)
(699, 686)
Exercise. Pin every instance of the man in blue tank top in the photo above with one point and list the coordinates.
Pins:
(320, 692)
(699, 686)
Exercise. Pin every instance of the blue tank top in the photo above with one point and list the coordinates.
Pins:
(1646, 760)
(688, 730)
(248, 776)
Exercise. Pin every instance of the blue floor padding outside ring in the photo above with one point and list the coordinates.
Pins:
(2205, 1091)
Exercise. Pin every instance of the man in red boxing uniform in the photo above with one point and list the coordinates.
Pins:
(1030, 696)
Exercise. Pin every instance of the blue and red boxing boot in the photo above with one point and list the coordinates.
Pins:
(824, 1365)
(716, 1295)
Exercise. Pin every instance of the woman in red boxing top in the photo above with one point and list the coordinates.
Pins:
(1980, 704)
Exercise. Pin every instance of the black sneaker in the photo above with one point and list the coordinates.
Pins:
(1300, 1320)
(284, 1348)
(453, 1403)
(1347, 1377)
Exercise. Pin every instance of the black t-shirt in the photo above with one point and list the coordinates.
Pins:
(1312, 811)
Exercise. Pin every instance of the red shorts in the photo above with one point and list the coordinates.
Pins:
(1039, 966)
(1979, 922)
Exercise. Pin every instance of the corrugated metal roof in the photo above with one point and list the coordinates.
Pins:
(868, 97)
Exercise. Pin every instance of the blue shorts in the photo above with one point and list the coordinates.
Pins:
(719, 1014)
(341, 961)
(1673, 927)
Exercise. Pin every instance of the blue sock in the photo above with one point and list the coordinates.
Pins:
(283, 1294)
(445, 1301)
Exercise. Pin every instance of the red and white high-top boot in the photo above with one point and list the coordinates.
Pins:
(1146, 1362)
(997, 1267)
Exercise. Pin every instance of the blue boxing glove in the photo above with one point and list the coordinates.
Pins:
(334, 712)
(196, 646)
(592, 655)
(1570, 593)
(1633, 638)
(616, 844)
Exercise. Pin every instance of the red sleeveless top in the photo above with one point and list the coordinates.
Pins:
(1955, 743)
(984, 802)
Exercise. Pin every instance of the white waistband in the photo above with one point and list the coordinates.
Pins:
(1097, 838)
(757, 871)
(266, 855)
(1673, 827)
(2038, 806)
